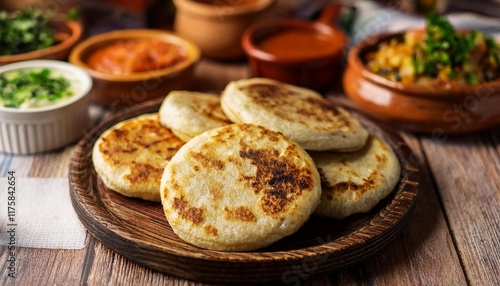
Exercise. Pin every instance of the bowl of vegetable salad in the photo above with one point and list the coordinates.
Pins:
(438, 80)
(35, 34)
(43, 105)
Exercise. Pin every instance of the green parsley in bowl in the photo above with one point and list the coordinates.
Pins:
(30, 34)
(25, 89)
(43, 105)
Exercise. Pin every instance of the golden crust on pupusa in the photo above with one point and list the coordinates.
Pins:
(189, 113)
(355, 182)
(301, 114)
(238, 188)
(130, 156)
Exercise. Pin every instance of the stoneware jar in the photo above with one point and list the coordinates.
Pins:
(217, 26)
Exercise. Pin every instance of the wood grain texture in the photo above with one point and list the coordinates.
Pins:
(425, 246)
(138, 229)
(470, 193)
(467, 173)
(213, 76)
(52, 164)
(107, 267)
(43, 266)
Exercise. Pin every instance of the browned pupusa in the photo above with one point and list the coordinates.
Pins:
(189, 113)
(298, 113)
(355, 182)
(130, 157)
(239, 187)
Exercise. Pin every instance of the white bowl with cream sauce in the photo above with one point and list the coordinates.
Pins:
(41, 125)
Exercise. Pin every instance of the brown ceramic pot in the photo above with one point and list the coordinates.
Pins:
(71, 31)
(316, 69)
(217, 26)
(120, 91)
(427, 109)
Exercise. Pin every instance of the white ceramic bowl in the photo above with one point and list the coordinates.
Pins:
(34, 130)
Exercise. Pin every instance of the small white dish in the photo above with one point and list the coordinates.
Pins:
(40, 129)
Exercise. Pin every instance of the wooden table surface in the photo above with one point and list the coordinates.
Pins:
(453, 237)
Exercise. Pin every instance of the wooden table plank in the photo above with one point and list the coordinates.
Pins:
(52, 164)
(43, 266)
(109, 268)
(467, 173)
(424, 247)
(213, 76)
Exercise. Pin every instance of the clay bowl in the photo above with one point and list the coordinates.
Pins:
(117, 91)
(298, 52)
(217, 26)
(70, 32)
(425, 109)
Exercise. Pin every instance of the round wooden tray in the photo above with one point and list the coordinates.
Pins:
(138, 229)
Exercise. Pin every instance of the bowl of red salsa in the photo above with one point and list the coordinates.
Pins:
(131, 66)
(299, 52)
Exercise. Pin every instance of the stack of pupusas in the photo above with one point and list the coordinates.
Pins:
(253, 164)
(357, 169)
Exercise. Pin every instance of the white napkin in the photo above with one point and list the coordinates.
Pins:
(43, 216)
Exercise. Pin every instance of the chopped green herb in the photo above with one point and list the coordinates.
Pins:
(18, 87)
(444, 47)
(470, 78)
(24, 31)
(73, 14)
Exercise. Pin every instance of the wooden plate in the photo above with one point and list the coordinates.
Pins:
(139, 230)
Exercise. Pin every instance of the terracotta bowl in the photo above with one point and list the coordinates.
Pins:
(317, 69)
(71, 31)
(120, 91)
(425, 109)
(217, 26)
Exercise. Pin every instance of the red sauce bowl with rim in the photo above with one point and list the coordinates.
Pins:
(298, 52)
(118, 91)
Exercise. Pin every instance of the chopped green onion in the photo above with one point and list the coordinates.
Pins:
(19, 87)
